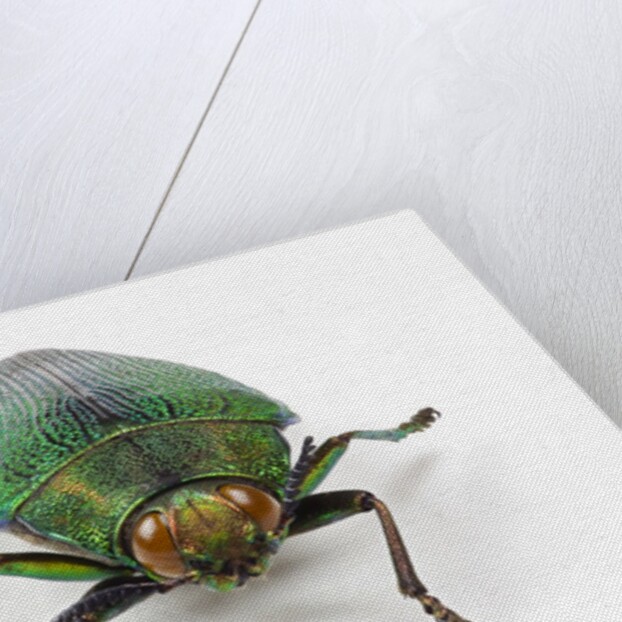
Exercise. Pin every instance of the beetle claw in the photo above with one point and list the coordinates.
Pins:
(426, 416)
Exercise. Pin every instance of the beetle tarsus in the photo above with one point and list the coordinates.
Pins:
(421, 420)
(434, 607)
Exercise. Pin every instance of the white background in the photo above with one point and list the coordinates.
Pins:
(510, 503)
(136, 137)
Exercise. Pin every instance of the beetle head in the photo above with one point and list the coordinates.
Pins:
(215, 532)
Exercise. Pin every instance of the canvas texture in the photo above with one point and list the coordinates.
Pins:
(510, 504)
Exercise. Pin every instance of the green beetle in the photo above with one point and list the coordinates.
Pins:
(146, 474)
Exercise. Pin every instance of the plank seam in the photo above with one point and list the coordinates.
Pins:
(186, 153)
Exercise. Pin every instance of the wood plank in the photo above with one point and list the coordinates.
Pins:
(97, 106)
(500, 124)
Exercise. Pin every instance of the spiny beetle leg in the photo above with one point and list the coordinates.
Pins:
(328, 454)
(326, 508)
(111, 597)
(55, 567)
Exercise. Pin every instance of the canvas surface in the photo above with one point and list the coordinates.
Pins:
(511, 504)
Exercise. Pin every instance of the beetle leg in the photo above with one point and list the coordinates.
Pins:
(327, 455)
(111, 597)
(326, 508)
(57, 567)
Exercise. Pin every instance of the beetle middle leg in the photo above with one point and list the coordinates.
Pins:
(326, 508)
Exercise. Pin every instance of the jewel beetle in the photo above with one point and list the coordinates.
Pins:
(145, 475)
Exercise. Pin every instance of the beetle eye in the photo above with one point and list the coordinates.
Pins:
(263, 508)
(153, 546)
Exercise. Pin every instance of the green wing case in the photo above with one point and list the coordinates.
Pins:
(56, 404)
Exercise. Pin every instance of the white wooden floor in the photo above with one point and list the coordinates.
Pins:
(138, 137)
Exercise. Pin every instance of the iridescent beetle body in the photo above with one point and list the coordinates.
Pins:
(147, 474)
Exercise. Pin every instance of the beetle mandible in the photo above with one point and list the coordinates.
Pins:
(146, 474)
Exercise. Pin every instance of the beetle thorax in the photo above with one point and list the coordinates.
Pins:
(214, 532)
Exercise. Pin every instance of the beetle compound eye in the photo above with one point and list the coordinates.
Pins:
(153, 546)
(263, 508)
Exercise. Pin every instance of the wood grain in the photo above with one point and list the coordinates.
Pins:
(499, 122)
(97, 106)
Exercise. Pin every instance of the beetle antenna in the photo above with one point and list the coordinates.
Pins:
(296, 475)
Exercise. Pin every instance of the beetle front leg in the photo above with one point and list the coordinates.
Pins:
(324, 458)
(110, 598)
(54, 567)
(326, 508)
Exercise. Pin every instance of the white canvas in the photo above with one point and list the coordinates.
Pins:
(511, 504)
